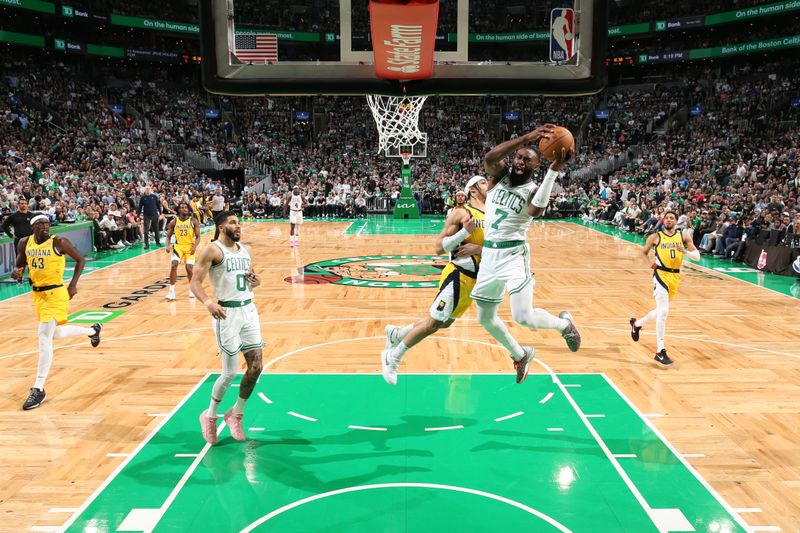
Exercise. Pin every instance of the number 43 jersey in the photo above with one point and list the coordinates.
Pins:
(507, 217)
(228, 276)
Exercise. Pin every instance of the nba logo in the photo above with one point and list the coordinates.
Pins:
(562, 34)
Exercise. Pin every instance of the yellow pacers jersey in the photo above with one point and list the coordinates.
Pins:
(476, 237)
(45, 264)
(184, 232)
(669, 261)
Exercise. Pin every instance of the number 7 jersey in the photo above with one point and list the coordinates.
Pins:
(507, 217)
(228, 276)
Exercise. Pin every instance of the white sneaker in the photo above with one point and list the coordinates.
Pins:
(170, 296)
(389, 367)
(191, 294)
(391, 332)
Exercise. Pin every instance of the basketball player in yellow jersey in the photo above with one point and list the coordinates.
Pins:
(43, 254)
(462, 238)
(670, 246)
(186, 229)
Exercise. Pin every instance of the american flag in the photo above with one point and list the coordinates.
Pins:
(256, 48)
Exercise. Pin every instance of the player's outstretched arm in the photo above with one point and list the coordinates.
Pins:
(64, 246)
(210, 256)
(495, 159)
(457, 227)
(541, 198)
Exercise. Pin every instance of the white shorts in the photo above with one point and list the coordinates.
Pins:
(502, 269)
(239, 332)
(295, 217)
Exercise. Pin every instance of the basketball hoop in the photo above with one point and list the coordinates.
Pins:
(397, 118)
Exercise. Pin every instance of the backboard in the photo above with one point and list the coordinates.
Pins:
(257, 47)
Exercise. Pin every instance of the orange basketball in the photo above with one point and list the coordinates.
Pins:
(560, 138)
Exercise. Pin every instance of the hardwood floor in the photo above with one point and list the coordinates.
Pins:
(732, 396)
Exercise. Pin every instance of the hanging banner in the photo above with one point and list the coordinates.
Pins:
(403, 38)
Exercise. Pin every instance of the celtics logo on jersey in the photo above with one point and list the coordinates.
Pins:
(375, 271)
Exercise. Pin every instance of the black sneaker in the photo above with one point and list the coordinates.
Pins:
(35, 399)
(635, 330)
(663, 358)
(571, 334)
(522, 365)
(95, 339)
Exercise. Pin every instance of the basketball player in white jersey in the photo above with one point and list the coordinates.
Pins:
(512, 202)
(296, 204)
(235, 320)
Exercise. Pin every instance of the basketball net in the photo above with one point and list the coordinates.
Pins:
(397, 118)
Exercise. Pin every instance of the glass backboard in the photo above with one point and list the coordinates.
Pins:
(278, 47)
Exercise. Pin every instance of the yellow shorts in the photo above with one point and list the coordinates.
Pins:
(52, 304)
(182, 254)
(453, 298)
(666, 281)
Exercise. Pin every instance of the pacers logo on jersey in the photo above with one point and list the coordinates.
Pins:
(375, 271)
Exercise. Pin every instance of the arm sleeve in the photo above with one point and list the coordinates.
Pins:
(542, 196)
(451, 243)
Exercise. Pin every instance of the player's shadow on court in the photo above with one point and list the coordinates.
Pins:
(571, 444)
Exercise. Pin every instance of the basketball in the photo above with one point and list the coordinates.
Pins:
(560, 138)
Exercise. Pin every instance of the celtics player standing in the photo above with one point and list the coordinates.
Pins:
(462, 238)
(513, 200)
(235, 320)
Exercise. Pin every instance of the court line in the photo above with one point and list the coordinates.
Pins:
(698, 265)
(138, 448)
(686, 463)
(508, 417)
(304, 417)
(264, 397)
(555, 429)
(312, 320)
(552, 521)
(546, 398)
(367, 428)
(444, 428)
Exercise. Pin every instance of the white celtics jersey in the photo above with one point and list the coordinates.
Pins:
(228, 276)
(507, 217)
(296, 203)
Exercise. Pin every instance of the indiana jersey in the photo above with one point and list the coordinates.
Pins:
(476, 237)
(667, 254)
(184, 232)
(228, 276)
(507, 217)
(668, 261)
(45, 263)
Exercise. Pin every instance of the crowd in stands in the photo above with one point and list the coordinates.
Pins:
(730, 172)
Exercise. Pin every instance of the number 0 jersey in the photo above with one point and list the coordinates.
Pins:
(228, 276)
(507, 217)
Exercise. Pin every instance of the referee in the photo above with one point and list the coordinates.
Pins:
(19, 221)
(217, 207)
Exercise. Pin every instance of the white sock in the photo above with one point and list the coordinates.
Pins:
(172, 288)
(213, 407)
(238, 407)
(62, 332)
(46, 331)
(399, 351)
(402, 332)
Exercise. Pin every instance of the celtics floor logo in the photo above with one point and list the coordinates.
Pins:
(376, 271)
